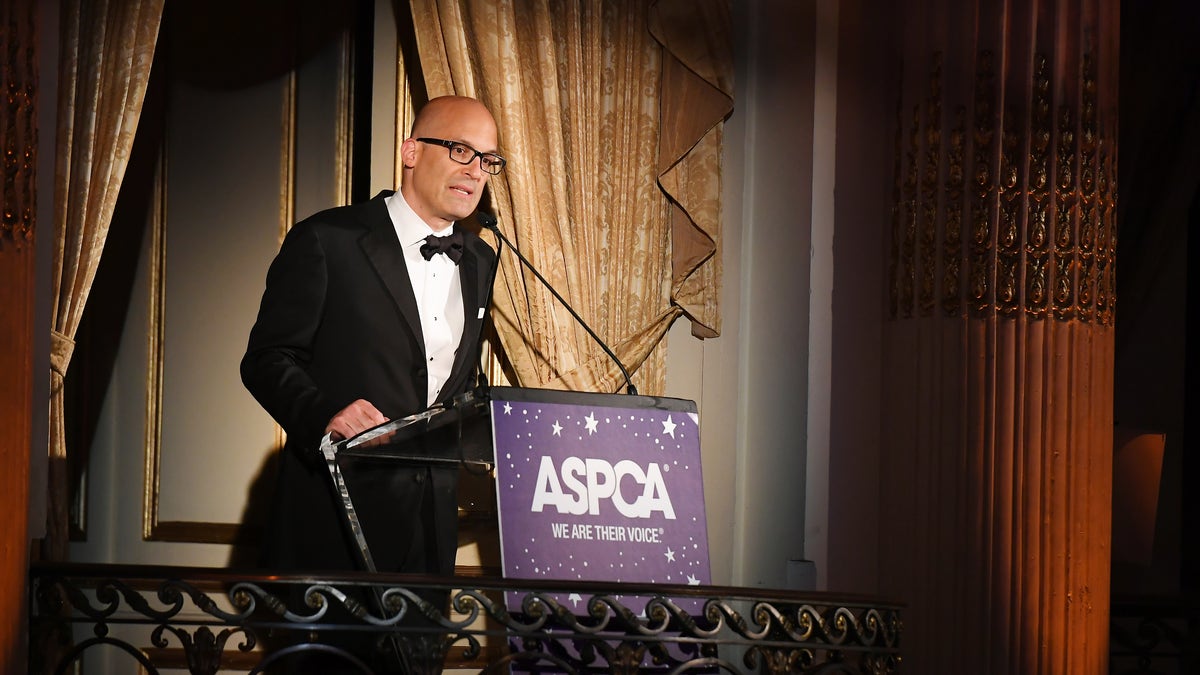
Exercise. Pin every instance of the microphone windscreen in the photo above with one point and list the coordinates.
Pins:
(487, 220)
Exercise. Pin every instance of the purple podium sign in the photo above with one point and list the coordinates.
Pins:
(599, 492)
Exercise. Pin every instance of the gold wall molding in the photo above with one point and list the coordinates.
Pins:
(344, 122)
(153, 528)
(1039, 195)
(186, 531)
(302, 144)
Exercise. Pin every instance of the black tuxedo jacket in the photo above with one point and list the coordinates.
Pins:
(339, 322)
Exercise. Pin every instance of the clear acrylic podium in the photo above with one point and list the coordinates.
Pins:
(459, 433)
(455, 434)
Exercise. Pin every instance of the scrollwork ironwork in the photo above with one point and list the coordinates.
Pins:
(204, 617)
(1152, 637)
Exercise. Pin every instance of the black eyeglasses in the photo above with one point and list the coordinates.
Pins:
(465, 154)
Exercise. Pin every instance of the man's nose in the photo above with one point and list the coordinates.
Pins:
(475, 167)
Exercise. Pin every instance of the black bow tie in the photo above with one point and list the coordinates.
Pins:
(451, 245)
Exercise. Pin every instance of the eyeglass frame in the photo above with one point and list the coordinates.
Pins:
(449, 145)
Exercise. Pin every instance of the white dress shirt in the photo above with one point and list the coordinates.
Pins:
(436, 285)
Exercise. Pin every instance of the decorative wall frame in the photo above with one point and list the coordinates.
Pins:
(157, 453)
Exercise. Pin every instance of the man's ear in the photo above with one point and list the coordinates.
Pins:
(408, 152)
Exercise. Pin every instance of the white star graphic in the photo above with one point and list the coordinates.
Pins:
(693, 581)
(591, 424)
(670, 555)
(557, 428)
(575, 599)
(507, 408)
(669, 427)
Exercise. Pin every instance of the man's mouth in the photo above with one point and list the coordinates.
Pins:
(462, 190)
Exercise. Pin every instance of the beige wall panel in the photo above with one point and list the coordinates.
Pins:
(222, 229)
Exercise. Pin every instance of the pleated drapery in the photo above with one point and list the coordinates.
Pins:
(107, 48)
(613, 183)
(996, 518)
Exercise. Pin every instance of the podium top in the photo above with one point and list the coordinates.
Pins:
(455, 432)
(459, 431)
(616, 401)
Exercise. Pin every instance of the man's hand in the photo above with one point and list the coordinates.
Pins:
(354, 419)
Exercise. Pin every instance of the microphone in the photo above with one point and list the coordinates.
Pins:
(488, 221)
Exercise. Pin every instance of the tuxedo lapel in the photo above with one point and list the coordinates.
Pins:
(468, 269)
(383, 249)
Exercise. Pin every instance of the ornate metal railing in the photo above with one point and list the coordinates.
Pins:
(214, 620)
(1153, 637)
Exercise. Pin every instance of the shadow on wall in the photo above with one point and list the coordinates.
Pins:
(230, 44)
(244, 554)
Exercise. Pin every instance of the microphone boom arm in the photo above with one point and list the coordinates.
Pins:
(489, 222)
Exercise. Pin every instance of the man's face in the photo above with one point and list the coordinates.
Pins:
(437, 188)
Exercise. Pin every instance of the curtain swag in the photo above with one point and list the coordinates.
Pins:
(611, 118)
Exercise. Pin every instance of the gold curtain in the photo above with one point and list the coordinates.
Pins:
(996, 507)
(582, 93)
(696, 97)
(106, 52)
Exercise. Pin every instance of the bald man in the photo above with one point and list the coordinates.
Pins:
(373, 312)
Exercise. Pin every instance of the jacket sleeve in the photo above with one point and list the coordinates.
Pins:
(275, 368)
